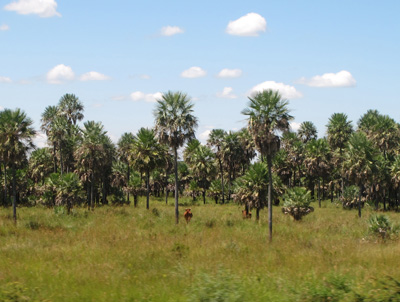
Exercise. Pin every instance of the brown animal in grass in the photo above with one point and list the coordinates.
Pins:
(188, 215)
(246, 214)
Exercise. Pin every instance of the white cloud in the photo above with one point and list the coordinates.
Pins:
(193, 72)
(340, 79)
(93, 76)
(204, 135)
(97, 105)
(43, 8)
(5, 80)
(226, 93)
(171, 30)
(4, 27)
(229, 73)
(40, 140)
(287, 91)
(145, 77)
(118, 98)
(149, 97)
(59, 74)
(1, 108)
(249, 25)
(294, 126)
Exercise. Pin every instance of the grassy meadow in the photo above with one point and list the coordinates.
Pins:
(134, 254)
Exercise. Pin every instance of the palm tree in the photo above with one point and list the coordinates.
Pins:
(40, 164)
(317, 161)
(267, 113)
(339, 130)
(216, 139)
(359, 162)
(16, 134)
(92, 154)
(71, 107)
(49, 115)
(146, 155)
(202, 167)
(251, 190)
(307, 131)
(174, 125)
(125, 145)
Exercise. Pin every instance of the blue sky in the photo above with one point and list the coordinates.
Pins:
(118, 56)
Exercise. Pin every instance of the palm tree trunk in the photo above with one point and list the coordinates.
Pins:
(204, 196)
(128, 177)
(269, 161)
(319, 192)
(222, 180)
(92, 191)
(148, 189)
(359, 201)
(55, 158)
(166, 186)
(176, 185)
(61, 160)
(5, 184)
(14, 190)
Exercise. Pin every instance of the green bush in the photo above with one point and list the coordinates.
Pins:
(297, 202)
(381, 226)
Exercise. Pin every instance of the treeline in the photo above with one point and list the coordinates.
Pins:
(254, 166)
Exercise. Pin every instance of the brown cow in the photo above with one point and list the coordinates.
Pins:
(188, 215)
(246, 214)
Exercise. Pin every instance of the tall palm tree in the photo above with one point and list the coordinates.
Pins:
(174, 125)
(91, 155)
(339, 130)
(40, 164)
(147, 155)
(267, 113)
(71, 107)
(215, 139)
(49, 115)
(125, 145)
(317, 159)
(16, 134)
(360, 162)
(203, 168)
(307, 131)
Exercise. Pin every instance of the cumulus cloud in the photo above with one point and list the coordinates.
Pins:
(249, 25)
(340, 79)
(226, 93)
(43, 8)
(171, 30)
(149, 97)
(193, 72)
(204, 135)
(229, 73)
(1, 108)
(40, 140)
(59, 74)
(93, 76)
(294, 126)
(4, 27)
(287, 91)
(5, 80)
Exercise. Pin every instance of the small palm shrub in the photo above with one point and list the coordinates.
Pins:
(349, 198)
(381, 226)
(297, 202)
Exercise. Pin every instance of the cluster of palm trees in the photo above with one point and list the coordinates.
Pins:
(254, 166)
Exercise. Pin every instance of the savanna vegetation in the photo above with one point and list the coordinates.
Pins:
(92, 220)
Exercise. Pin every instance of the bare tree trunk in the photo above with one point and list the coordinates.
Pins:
(269, 161)
(319, 192)
(204, 196)
(129, 176)
(14, 190)
(148, 189)
(92, 192)
(176, 185)
(222, 179)
(5, 184)
(359, 201)
(55, 158)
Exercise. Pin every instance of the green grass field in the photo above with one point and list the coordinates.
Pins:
(134, 254)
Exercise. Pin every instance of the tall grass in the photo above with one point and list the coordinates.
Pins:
(134, 254)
